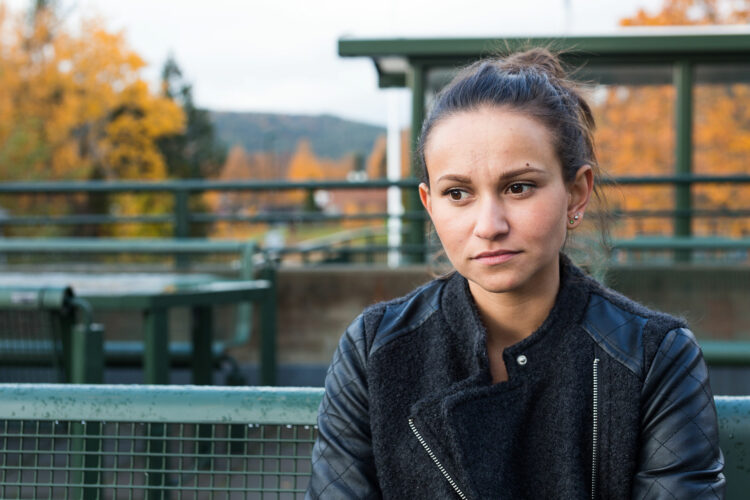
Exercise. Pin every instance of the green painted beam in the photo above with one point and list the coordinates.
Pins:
(170, 403)
(121, 245)
(36, 297)
(415, 232)
(191, 185)
(684, 243)
(391, 80)
(726, 352)
(199, 185)
(683, 83)
(734, 439)
(629, 43)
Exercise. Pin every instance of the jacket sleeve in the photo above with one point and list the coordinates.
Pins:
(679, 455)
(342, 459)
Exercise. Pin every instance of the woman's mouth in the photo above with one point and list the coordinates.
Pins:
(495, 257)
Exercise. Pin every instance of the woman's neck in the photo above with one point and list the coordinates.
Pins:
(510, 317)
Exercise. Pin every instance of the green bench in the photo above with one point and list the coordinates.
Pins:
(47, 335)
(95, 442)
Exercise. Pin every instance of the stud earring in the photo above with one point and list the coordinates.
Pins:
(575, 218)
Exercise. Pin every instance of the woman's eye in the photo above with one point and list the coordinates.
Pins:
(519, 188)
(456, 194)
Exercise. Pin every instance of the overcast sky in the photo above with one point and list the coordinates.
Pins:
(281, 55)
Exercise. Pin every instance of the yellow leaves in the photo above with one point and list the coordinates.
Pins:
(75, 101)
(636, 133)
(304, 164)
(73, 105)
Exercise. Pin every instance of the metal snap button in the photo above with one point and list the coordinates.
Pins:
(521, 360)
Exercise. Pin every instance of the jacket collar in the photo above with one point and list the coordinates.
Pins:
(462, 316)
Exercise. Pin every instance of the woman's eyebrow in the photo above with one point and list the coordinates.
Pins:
(456, 178)
(505, 175)
(521, 171)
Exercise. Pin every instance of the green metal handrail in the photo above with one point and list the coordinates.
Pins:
(75, 343)
(726, 352)
(182, 218)
(681, 243)
(194, 185)
(161, 403)
(188, 425)
(124, 245)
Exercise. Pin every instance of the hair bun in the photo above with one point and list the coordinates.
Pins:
(539, 59)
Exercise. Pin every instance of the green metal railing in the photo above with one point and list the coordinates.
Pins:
(47, 335)
(182, 218)
(95, 442)
(726, 352)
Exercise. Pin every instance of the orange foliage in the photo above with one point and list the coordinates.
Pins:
(303, 165)
(636, 132)
(240, 165)
(693, 12)
(73, 106)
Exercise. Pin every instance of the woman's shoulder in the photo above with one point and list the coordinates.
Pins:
(629, 331)
(384, 320)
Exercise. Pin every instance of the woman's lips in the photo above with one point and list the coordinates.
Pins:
(496, 257)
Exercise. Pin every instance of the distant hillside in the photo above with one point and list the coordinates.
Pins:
(331, 137)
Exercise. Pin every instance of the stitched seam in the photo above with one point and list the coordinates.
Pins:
(615, 353)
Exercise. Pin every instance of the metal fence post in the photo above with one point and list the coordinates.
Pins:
(683, 82)
(181, 224)
(415, 234)
(244, 315)
(268, 327)
(87, 354)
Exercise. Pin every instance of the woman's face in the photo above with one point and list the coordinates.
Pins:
(497, 198)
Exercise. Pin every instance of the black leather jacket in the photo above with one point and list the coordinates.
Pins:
(606, 399)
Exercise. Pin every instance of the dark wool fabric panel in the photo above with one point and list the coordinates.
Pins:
(619, 399)
(397, 385)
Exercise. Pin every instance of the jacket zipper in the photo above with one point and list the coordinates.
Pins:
(595, 433)
(434, 459)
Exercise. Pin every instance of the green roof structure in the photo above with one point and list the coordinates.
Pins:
(679, 56)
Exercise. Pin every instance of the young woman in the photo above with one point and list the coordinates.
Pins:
(517, 376)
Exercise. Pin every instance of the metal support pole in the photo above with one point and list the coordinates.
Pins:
(683, 82)
(268, 328)
(87, 354)
(393, 167)
(181, 223)
(156, 349)
(203, 355)
(415, 233)
(244, 315)
(156, 462)
(86, 452)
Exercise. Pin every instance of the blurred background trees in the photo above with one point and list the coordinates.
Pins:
(74, 105)
(636, 128)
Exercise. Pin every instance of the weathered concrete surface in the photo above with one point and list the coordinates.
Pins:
(714, 300)
(317, 304)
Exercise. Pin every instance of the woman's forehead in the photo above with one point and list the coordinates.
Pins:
(489, 139)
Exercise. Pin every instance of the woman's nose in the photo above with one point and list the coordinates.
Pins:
(491, 220)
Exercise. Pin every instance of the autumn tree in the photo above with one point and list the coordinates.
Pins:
(195, 152)
(73, 106)
(636, 131)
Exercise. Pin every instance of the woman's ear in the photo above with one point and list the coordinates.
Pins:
(424, 195)
(579, 193)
